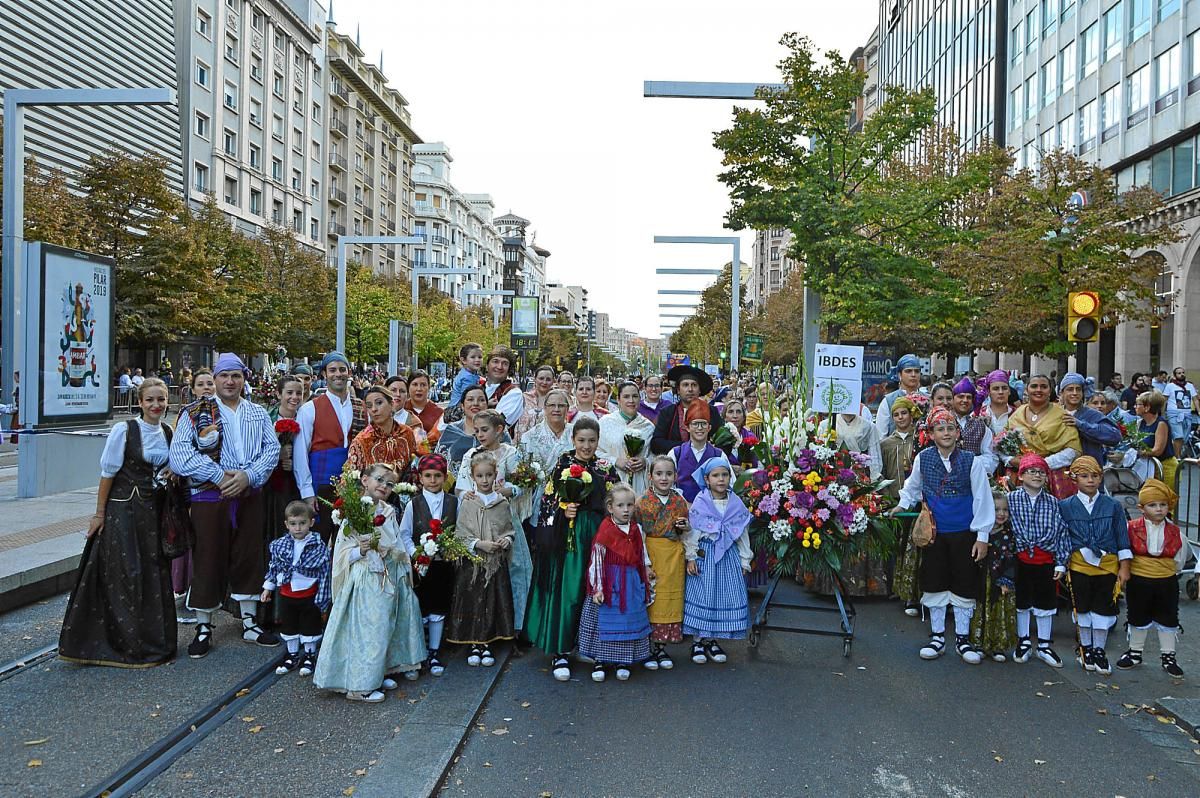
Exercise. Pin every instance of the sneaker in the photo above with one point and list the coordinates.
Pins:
(1023, 650)
(622, 674)
(1100, 661)
(561, 669)
(473, 658)
(253, 633)
(652, 663)
(373, 697)
(715, 652)
(1048, 655)
(934, 648)
(968, 652)
(308, 664)
(999, 657)
(389, 683)
(436, 668)
(911, 610)
(664, 660)
(200, 646)
(598, 673)
(412, 676)
(1129, 660)
(486, 659)
(289, 664)
(1171, 666)
(698, 655)
(1085, 658)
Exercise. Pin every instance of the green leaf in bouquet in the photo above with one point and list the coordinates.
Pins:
(634, 445)
(723, 438)
(832, 558)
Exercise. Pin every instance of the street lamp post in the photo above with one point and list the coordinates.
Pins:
(497, 307)
(735, 281)
(342, 243)
(15, 103)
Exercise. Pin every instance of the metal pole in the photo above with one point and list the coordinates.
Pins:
(341, 295)
(14, 240)
(735, 318)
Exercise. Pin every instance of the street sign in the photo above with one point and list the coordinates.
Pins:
(674, 360)
(752, 348)
(837, 379)
(525, 315)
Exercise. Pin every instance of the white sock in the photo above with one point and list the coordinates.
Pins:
(204, 616)
(1044, 623)
(1166, 641)
(937, 620)
(1099, 637)
(292, 642)
(1137, 639)
(436, 622)
(310, 646)
(249, 609)
(1085, 636)
(962, 620)
(1022, 623)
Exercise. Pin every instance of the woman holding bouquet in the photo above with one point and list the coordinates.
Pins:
(625, 438)
(572, 508)
(1048, 433)
(384, 440)
(546, 442)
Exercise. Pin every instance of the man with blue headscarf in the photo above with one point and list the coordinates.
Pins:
(907, 372)
(328, 423)
(1096, 431)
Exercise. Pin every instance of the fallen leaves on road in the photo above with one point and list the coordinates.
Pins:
(348, 791)
(1050, 684)
(525, 705)
(1039, 761)
(500, 732)
(487, 764)
(34, 763)
(38, 741)
(248, 718)
(998, 758)
(302, 742)
(1041, 694)
(360, 772)
(1164, 719)
(279, 750)
(255, 729)
(242, 692)
(1102, 731)
(1101, 711)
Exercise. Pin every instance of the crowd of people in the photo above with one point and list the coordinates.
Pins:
(599, 519)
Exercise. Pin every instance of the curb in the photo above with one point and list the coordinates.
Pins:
(418, 757)
(39, 570)
(1188, 721)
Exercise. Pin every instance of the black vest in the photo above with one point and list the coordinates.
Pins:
(422, 516)
(136, 474)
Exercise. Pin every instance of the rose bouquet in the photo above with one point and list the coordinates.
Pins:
(1010, 443)
(352, 510)
(286, 429)
(1131, 438)
(746, 447)
(574, 484)
(439, 543)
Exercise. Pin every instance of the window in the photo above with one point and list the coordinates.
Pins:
(1031, 29)
(1194, 54)
(316, 150)
(1015, 45)
(278, 39)
(298, 101)
(774, 253)
(277, 212)
(1110, 112)
(256, 20)
(231, 48)
(1111, 22)
(1049, 81)
(256, 202)
(231, 191)
(314, 189)
(297, 220)
(1031, 103)
(1087, 127)
(1066, 67)
(1160, 172)
(1068, 9)
(297, 135)
(1138, 92)
(202, 74)
(1165, 9)
(1066, 133)
(1016, 113)
(201, 125)
(255, 156)
(1089, 51)
(1183, 175)
(277, 85)
(1049, 16)
(316, 112)
(276, 169)
(231, 95)
(230, 142)
(1166, 79)
(1046, 142)
(314, 228)
(204, 24)
(296, 179)
(201, 177)
(255, 112)
(277, 127)
(256, 71)
(1139, 19)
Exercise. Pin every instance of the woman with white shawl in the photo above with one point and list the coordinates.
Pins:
(626, 423)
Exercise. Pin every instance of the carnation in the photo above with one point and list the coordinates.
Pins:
(779, 530)
(367, 500)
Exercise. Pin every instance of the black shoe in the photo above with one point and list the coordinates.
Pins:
(1100, 661)
(1171, 666)
(436, 668)
(289, 664)
(308, 664)
(698, 655)
(1129, 660)
(1023, 650)
(598, 672)
(200, 646)
(715, 652)
(256, 634)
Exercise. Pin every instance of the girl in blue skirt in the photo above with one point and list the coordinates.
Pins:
(718, 555)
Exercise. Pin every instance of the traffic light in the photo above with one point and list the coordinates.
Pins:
(1083, 316)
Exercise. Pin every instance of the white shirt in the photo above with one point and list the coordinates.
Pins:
(1179, 400)
(511, 405)
(1156, 536)
(154, 447)
(435, 501)
(306, 417)
(983, 508)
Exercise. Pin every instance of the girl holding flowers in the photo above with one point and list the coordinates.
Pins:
(375, 624)
(572, 508)
(662, 515)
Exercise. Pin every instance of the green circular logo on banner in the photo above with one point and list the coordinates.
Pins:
(833, 395)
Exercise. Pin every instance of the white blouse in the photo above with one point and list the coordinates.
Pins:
(154, 447)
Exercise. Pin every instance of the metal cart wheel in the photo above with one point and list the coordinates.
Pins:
(1193, 588)
(847, 644)
(754, 638)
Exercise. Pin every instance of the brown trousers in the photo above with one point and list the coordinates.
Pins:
(227, 557)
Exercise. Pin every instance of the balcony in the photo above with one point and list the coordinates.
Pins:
(440, 240)
(368, 213)
(337, 195)
(337, 161)
(337, 229)
(390, 166)
(369, 181)
(341, 92)
(338, 126)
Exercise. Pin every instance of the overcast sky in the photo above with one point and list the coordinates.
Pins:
(540, 102)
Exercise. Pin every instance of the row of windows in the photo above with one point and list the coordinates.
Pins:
(232, 196)
(1101, 40)
(1170, 171)
(1156, 82)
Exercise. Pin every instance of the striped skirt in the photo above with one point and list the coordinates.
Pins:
(715, 602)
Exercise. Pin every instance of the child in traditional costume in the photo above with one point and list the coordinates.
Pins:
(953, 484)
(564, 542)
(1152, 594)
(690, 454)
(662, 515)
(718, 553)
(435, 588)
(994, 624)
(299, 568)
(1100, 557)
(1043, 548)
(614, 629)
(482, 612)
(375, 625)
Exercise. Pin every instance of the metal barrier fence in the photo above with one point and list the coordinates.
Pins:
(1187, 485)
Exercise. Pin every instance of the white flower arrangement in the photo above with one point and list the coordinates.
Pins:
(367, 500)
(780, 529)
(336, 516)
(405, 488)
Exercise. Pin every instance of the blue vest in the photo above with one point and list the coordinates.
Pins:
(947, 493)
(686, 465)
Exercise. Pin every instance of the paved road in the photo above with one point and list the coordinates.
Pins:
(795, 718)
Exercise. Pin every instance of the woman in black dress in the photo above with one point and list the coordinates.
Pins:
(122, 611)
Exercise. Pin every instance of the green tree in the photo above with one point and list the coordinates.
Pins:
(370, 306)
(705, 334)
(780, 321)
(303, 289)
(868, 238)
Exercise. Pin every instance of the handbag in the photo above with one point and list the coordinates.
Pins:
(924, 529)
(177, 536)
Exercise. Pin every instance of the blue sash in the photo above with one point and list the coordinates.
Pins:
(327, 464)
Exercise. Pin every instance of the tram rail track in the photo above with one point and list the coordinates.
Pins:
(28, 662)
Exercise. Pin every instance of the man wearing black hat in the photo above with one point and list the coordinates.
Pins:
(670, 430)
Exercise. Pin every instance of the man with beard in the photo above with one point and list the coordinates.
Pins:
(327, 425)
(671, 428)
(1181, 404)
(907, 372)
(228, 447)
